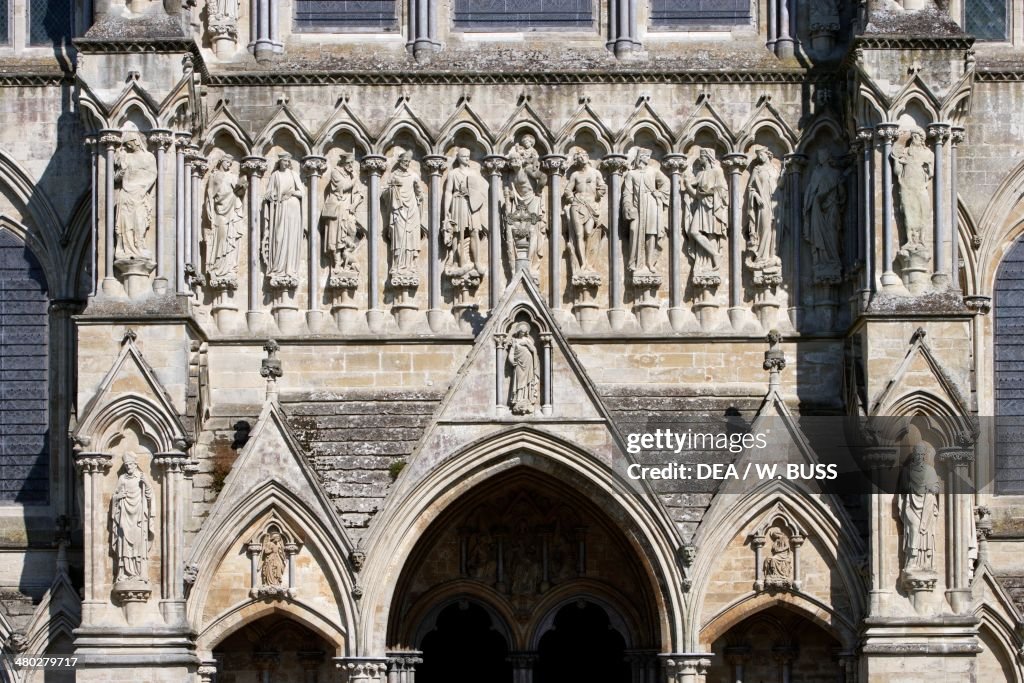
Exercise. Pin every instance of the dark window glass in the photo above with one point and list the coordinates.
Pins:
(326, 14)
(516, 15)
(50, 22)
(699, 12)
(985, 19)
(24, 416)
(1008, 309)
(4, 21)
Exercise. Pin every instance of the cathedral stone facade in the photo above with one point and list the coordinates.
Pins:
(336, 337)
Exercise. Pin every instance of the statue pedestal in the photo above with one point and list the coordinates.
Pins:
(705, 307)
(766, 307)
(585, 306)
(375, 320)
(286, 311)
(437, 319)
(225, 310)
(680, 318)
(616, 318)
(132, 595)
(135, 274)
(647, 308)
(404, 308)
(918, 584)
(465, 311)
(342, 286)
(223, 40)
(914, 260)
(823, 40)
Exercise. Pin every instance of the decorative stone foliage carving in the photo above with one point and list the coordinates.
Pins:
(823, 208)
(272, 553)
(284, 225)
(645, 194)
(131, 526)
(225, 226)
(707, 217)
(343, 222)
(776, 543)
(465, 211)
(918, 506)
(584, 191)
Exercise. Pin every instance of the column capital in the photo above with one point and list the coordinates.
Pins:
(957, 134)
(734, 162)
(90, 462)
(555, 164)
(182, 139)
(161, 138)
(436, 163)
(938, 133)
(91, 140)
(200, 165)
(865, 134)
(314, 165)
(978, 304)
(795, 161)
(614, 163)
(171, 461)
(404, 660)
(362, 668)
(110, 138)
(253, 166)
(494, 164)
(675, 163)
(887, 132)
(374, 164)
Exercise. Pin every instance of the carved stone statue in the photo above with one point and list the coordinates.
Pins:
(707, 219)
(341, 219)
(914, 168)
(778, 566)
(226, 224)
(223, 12)
(644, 201)
(135, 170)
(272, 560)
(583, 193)
(465, 206)
(824, 204)
(918, 504)
(131, 518)
(524, 207)
(522, 357)
(404, 205)
(283, 225)
(762, 220)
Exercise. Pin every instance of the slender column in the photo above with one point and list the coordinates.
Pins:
(886, 134)
(314, 166)
(172, 539)
(94, 205)
(615, 166)
(254, 168)
(186, 186)
(734, 164)
(957, 134)
(199, 168)
(275, 31)
(547, 394)
(374, 165)
(881, 459)
(161, 139)
(436, 164)
(867, 215)
(494, 165)
(555, 165)
(795, 164)
(938, 133)
(181, 141)
(784, 43)
(959, 516)
(675, 163)
(110, 139)
(93, 467)
(773, 12)
(500, 351)
(401, 666)
(522, 666)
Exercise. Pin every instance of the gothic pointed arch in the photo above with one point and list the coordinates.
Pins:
(464, 119)
(584, 118)
(705, 116)
(766, 116)
(342, 121)
(524, 119)
(644, 117)
(403, 119)
(283, 121)
(224, 122)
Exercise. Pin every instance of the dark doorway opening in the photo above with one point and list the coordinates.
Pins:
(464, 648)
(582, 646)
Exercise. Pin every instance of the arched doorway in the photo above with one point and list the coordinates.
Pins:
(776, 644)
(1008, 312)
(277, 649)
(526, 565)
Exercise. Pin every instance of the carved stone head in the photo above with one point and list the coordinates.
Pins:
(225, 163)
(582, 158)
(462, 156)
(404, 159)
(528, 141)
(131, 463)
(521, 330)
(284, 162)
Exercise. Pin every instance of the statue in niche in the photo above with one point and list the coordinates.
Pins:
(708, 220)
(226, 224)
(341, 220)
(135, 170)
(465, 205)
(481, 563)
(918, 505)
(273, 559)
(524, 570)
(583, 193)
(223, 13)
(131, 516)
(645, 192)
(522, 357)
(762, 219)
(914, 168)
(524, 208)
(823, 209)
(283, 227)
(404, 204)
(778, 566)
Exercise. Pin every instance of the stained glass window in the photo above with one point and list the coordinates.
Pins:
(517, 15)
(50, 22)
(986, 19)
(695, 13)
(341, 14)
(4, 22)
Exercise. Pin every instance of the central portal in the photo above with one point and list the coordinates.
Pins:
(524, 579)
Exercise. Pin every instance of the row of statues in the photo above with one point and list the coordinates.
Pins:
(704, 198)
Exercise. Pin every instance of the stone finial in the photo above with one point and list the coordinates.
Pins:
(270, 367)
(129, 336)
(774, 357)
